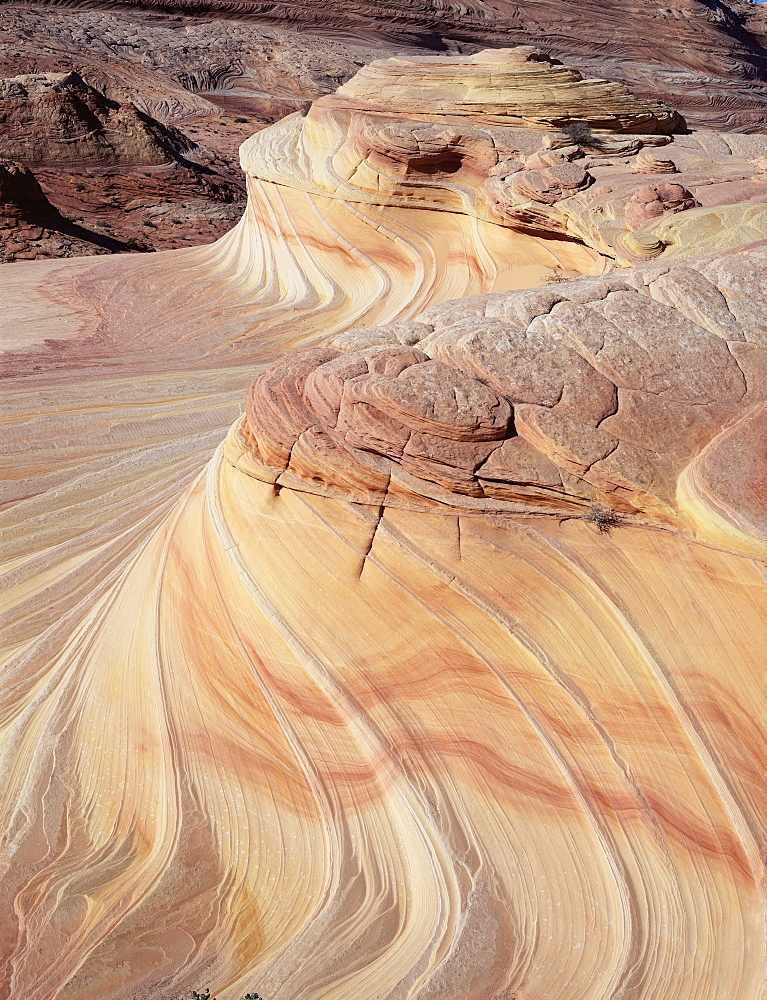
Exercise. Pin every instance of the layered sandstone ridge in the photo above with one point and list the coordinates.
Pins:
(520, 86)
(524, 143)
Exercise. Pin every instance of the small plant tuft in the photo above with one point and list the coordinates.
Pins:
(205, 995)
(604, 518)
(556, 276)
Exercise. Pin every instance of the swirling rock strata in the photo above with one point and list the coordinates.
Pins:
(522, 142)
(303, 733)
(431, 664)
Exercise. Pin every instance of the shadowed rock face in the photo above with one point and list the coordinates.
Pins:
(20, 194)
(57, 117)
(433, 662)
(31, 226)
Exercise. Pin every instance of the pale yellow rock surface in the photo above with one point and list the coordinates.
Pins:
(705, 230)
(395, 718)
(519, 86)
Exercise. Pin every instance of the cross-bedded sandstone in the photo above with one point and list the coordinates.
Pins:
(440, 672)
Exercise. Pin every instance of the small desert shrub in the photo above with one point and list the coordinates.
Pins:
(580, 134)
(205, 995)
(604, 519)
(557, 275)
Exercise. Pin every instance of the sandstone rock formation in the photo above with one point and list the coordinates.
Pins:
(522, 142)
(77, 140)
(57, 117)
(375, 624)
(594, 392)
(31, 227)
(707, 59)
(652, 201)
(220, 70)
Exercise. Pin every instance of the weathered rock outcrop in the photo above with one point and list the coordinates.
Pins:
(219, 77)
(521, 142)
(57, 117)
(652, 201)
(31, 227)
(372, 627)
(593, 393)
(705, 58)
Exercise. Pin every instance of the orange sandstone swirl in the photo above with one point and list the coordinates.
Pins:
(444, 675)
(374, 706)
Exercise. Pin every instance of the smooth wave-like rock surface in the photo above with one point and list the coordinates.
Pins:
(374, 623)
(296, 737)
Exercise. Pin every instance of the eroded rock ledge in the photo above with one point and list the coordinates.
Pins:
(608, 391)
(513, 138)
